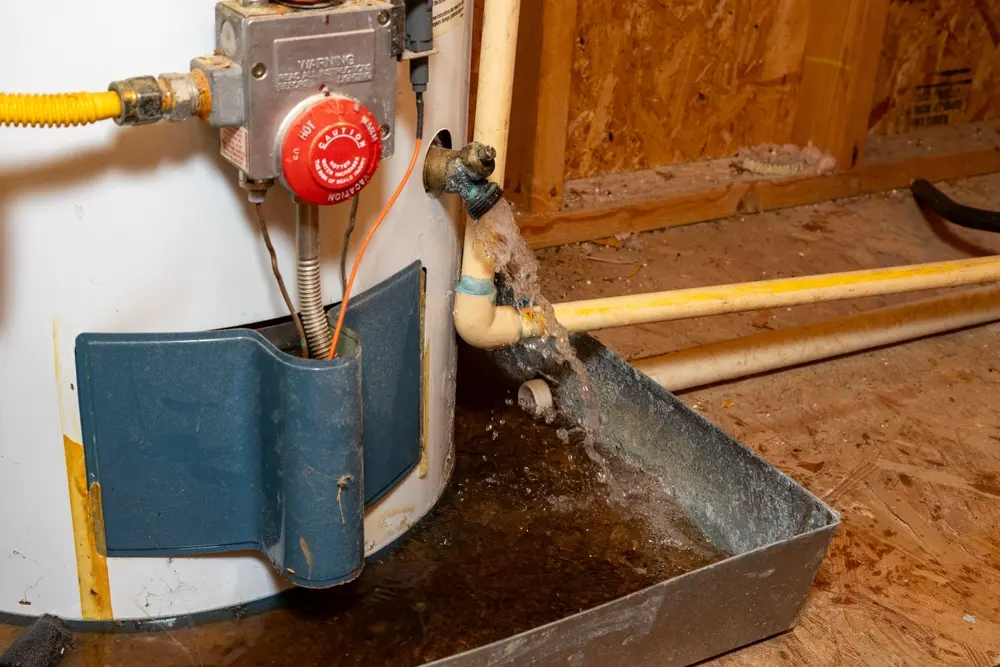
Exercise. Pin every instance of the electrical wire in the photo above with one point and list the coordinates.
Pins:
(364, 246)
(281, 282)
(378, 223)
(352, 223)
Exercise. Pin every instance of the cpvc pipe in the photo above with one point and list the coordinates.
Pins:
(702, 301)
(479, 321)
(773, 350)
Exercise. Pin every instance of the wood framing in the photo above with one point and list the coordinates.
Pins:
(838, 76)
(710, 190)
(537, 144)
(627, 115)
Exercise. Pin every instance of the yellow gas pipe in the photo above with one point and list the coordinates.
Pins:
(59, 110)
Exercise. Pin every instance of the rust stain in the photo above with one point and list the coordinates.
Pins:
(91, 564)
(425, 427)
(97, 518)
(425, 385)
(308, 554)
(85, 511)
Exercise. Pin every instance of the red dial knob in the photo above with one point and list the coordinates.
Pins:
(331, 151)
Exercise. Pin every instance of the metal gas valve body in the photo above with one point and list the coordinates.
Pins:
(306, 97)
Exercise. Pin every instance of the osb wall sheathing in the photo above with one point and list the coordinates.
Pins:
(657, 82)
(939, 65)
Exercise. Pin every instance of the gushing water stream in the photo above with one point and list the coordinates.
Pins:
(500, 235)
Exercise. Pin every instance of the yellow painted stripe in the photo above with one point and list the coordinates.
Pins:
(88, 523)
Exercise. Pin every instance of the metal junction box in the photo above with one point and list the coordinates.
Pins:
(285, 57)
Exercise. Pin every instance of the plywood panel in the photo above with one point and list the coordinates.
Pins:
(658, 82)
(940, 65)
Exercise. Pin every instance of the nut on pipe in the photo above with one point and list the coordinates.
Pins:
(142, 100)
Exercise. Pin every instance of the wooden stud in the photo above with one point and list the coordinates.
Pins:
(537, 144)
(839, 76)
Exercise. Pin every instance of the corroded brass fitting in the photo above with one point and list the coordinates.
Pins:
(176, 97)
(142, 100)
(465, 173)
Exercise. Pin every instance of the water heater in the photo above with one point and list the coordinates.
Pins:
(165, 450)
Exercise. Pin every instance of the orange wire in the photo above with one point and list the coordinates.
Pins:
(364, 246)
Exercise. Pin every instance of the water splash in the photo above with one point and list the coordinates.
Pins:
(500, 235)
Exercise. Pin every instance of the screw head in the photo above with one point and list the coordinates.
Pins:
(259, 71)
(385, 130)
(383, 17)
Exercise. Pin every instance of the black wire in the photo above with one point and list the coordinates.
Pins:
(281, 282)
(420, 115)
(355, 203)
(930, 197)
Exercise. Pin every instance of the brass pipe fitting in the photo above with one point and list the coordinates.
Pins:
(464, 172)
(175, 97)
(142, 100)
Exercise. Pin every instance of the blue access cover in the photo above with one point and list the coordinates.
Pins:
(213, 442)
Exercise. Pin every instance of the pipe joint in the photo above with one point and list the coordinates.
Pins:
(143, 100)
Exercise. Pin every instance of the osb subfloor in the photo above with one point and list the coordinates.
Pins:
(904, 441)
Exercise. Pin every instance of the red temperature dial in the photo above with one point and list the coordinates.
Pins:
(331, 151)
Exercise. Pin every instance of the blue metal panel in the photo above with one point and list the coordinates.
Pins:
(388, 320)
(216, 441)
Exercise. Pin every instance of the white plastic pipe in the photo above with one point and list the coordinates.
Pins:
(478, 320)
(702, 301)
(773, 350)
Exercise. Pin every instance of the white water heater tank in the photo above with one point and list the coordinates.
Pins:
(144, 230)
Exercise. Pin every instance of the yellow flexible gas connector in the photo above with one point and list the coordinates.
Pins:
(58, 110)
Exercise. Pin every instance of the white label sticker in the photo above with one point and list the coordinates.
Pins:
(448, 14)
(235, 146)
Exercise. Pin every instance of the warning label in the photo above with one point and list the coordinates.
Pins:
(448, 14)
(235, 146)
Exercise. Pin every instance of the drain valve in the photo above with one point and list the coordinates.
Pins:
(464, 173)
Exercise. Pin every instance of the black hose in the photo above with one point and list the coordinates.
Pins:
(929, 197)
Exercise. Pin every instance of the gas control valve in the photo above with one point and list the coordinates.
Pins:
(306, 96)
(331, 150)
